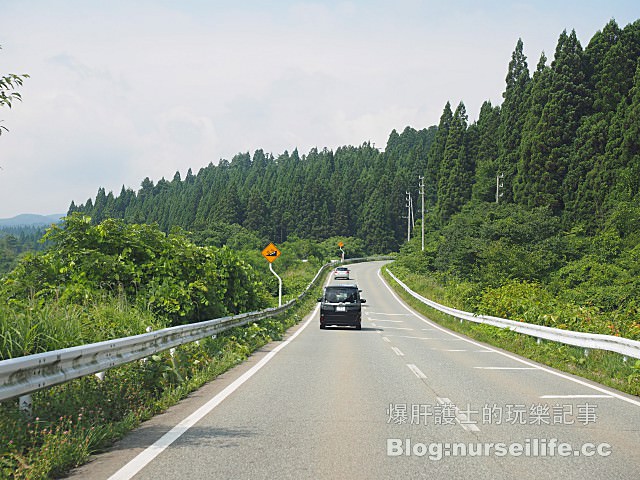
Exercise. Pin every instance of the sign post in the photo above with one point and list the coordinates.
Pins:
(340, 245)
(271, 252)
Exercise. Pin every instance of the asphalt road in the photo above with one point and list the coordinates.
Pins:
(402, 398)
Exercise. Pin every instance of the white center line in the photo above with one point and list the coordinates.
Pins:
(390, 314)
(386, 339)
(461, 417)
(397, 351)
(398, 328)
(416, 371)
(407, 336)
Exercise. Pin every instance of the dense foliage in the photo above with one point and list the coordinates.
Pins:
(15, 241)
(165, 276)
(352, 192)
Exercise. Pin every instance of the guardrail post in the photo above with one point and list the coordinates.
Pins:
(100, 376)
(26, 405)
(538, 340)
(586, 352)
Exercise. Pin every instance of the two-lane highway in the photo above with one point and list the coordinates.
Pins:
(402, 398)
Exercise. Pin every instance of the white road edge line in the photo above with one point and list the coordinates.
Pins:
(576, 396)
(145, 457)
(513, 357)
(506, 368)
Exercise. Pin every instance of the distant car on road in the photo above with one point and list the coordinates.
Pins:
(341, 305)
(341, 272)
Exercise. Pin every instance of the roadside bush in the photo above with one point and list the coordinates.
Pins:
(166, 274)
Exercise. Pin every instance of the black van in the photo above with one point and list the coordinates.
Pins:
(341, 305)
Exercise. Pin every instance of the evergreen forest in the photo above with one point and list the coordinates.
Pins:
(565, 140)
(540, 191)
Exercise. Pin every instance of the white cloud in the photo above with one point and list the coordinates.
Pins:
(121, 90)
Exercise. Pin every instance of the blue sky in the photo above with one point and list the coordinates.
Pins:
(122, 90)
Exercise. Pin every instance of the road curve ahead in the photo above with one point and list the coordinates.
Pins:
(402, 398)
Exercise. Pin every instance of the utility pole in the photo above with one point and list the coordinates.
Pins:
(413, 216)
(408, 216)
(499, 185)
(422, 196)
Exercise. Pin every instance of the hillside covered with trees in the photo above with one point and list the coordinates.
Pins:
(565, 138)
(564, 228)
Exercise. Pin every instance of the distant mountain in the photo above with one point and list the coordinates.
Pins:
(31, 220)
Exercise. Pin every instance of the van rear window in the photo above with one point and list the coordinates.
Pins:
(338, 295)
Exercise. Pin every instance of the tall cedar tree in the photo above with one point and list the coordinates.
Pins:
(512, 117)
(485, 151)
(598, 162)
(545, 162)
(434, 159)
(456, 169)
(630, 173)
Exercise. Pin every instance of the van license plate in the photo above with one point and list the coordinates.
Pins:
(341, 308)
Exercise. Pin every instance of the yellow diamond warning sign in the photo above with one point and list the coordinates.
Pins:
(271, 252)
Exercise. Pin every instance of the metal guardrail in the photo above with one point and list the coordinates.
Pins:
(623, 346)
(24, 375)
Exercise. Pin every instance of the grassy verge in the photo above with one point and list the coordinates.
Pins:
(603, 367)
(73, 420)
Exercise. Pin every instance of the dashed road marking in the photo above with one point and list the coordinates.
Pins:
(416, 371)
(461, 417)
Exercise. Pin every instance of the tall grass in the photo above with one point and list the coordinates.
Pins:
(39, 327)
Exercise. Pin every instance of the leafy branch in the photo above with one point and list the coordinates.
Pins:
(8, 84)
